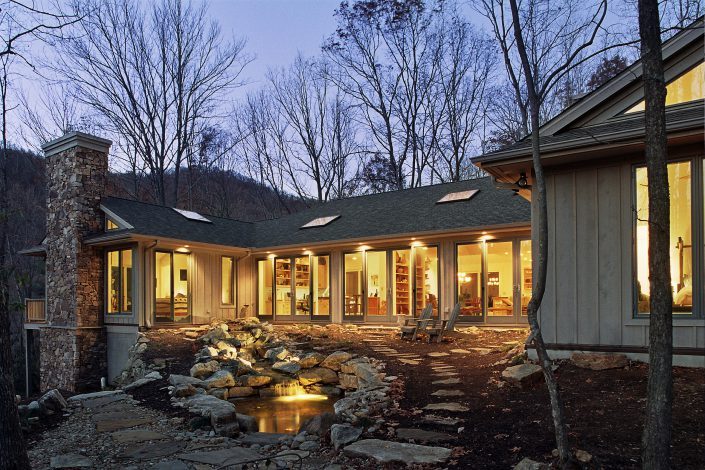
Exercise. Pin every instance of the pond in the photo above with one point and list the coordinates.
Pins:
(284, 414)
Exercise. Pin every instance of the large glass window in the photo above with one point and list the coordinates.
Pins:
(119, 281)
(681, 241)
(171, 287)
(426, 278)
(469, 272)
(401, 260)
(282, 293)
(265, 275)
(500, 279)
(321, 285)
(688, 87)
(525, 274)
(227, 278)
(377, 283)
(302, 285)
(353, 284)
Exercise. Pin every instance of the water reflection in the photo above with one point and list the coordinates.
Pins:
(284, 414)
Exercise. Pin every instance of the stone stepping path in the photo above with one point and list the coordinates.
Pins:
(409, 362)
(445, 374)
(388, 451)
(131, 436)
(114, 421)
(152, 450)
(448, 393)
(460, 351)
(446, 406)
(453, 381)
(438, 354)
(222, 457)
(441, 420)
(421, 435)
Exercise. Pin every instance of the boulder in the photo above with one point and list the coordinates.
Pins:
(219, 411)
(138, 383)
(523, 374)
(328, 390)
(240, 392)
(387, 451)
(215, 335)
(317, 375)
(220, 379)
(176, 379)
(201, 370)
(348, 381)
(335, 360)
(252, 380)
(183, 391)
(528, 464)
(319, 425)
(247, 423)
(52, 402)
(286, 367)
(209, 351)
(276, 354)
(311, 360)
(221, 393)
(226, 349)
(599, 361)
(344, 434)
(366, 374)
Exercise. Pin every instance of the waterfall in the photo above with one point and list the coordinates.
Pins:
(288, 389)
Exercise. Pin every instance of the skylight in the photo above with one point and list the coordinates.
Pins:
(458, 196)
(191, 215)
(320, 221)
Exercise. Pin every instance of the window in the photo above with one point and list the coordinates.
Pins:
(321, 285)
(500, 279)
(227, 277)
(353, 285)
(681, 240)
(265, 276)
(458, 196)
(688, 87)
(426, 279)
(320, 221)
(110, 225)
(469, 272)
(119, 281)
(171, 287)
(191, 215)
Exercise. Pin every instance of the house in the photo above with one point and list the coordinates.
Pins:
(115, 265)
(597, 296)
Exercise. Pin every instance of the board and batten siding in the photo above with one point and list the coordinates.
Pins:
(589, 291)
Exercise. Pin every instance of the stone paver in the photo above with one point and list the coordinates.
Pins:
(447, 406)
(388, 451)
(71, 461)
(230, 456)
(445, 374)
(448, 393)
(441, 420)
(137, 435)
(113, 421)
(263, 438)
(152, 450)
(423, 436)
(438, 354)
(453, 381)
(171, 465)
(460, 351)
(409, 362)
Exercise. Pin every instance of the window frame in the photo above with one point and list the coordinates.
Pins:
(697, 227)
(106, 287)
(232, 281)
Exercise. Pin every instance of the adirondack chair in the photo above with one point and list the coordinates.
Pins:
(438, 328)
(411, 326)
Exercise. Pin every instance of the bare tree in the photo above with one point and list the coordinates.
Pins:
(533, 37)
(656, 439)
(157, 76)
(19, 23)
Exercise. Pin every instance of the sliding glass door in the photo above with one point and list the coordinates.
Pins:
(353, 288)
(171, 287)
(376, 297)
(320, 292)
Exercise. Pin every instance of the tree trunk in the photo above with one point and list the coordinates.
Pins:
(656, 440)
(540, 265)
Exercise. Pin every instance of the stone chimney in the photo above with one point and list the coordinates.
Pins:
(72, 344)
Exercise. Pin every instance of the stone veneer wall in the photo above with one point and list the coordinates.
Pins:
(73, 345)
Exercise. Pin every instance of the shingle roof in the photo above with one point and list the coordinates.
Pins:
(378, 215)
(160, 221)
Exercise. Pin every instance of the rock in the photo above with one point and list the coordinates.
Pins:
(240, 392)
(90, 400)
(334, 360)
(286, 367)
(247, 423)
(220, 379)
(344, 434)
(449, 406)
(151, 450)
(184, 390)
(387, 451)
(226, 349)
(583, 456)
(319, 425)
(328, 390)
(311, 360)
(232, 456)
(52, 401)
(348, 381)
(137, 384)
(209, 351)
(523, 374)
(219, 411)
(201, 370)
(221, 393)
(309, 446)
(367, 375)
(528, 464)
(317, 375)
(437, 354)
(453, 381)
(130, 436)
(215, 335)
(252, 380)
(599, 361)
(70, 461)
(33, 408)
(448, 393)
(170, 465)
(153, 375)
(276, 354)
(264, 438)
(175, 380)
(460, 351)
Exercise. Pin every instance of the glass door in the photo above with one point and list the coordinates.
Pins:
(353, 287)
(376, 299)
(525, 287)
(171, 287)
(320, 292)
(302, 287)
(401, 287)
(470, 283)
(265, 286)
(282, 291)
(426, 279)
(499, 281)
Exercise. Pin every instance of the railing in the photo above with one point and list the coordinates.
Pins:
(35, 310)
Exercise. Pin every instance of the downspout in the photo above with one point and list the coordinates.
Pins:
(147, 318)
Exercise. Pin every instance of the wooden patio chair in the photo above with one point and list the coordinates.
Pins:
(411, 326)
(438, 328)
